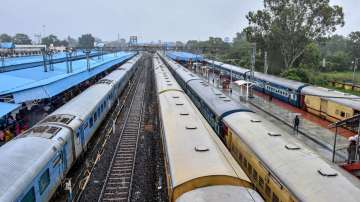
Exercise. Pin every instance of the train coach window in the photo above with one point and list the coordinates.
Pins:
(254, 175)
(44, 181)
(342, 114)
(249, 169)
(30, 196)
(91, 122)
(261, 182)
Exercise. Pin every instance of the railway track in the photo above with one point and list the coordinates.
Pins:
(118, 181)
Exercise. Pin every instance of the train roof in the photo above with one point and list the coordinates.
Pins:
(346, 99)
(86, 102)
(204, 158)
(228, 67)
(221, 193)
(21, 160)
(294, 85)
(214, 98)
(301, 170)
(163, 77)
(186, 75)
(221, 104)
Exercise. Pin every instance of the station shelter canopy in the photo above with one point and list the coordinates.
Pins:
(6, 108)
(34, 83)
(184, 56)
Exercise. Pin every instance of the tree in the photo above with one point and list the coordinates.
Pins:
(192, 45)
(311, 57)
(71, 42)
(86, 41)
(51, 39)
(334, 44)
(339, 61)
(290, 25)
(355, 44)
(298, 74)
(5, 38)
(240, 51)
(63, 43)
(21, 39)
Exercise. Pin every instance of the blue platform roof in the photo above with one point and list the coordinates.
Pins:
(6, 108)
(22, 62)
(37, 58)
(7, 45)
(33, 83)
(184, 56)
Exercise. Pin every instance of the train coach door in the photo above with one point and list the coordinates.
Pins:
(78, 139)
(323, 108)
(81, 136)
(64, 158)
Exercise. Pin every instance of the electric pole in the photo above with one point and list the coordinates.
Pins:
(266, 66)
(253, 60)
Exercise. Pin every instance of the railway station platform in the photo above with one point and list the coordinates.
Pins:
(310, 126)
(34, 83)
(312, 130)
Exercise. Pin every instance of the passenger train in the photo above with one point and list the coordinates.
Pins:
(198, 166)
(36, 162)
(281, 167)
(327, 103)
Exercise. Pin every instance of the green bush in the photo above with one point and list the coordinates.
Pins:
(298, 74)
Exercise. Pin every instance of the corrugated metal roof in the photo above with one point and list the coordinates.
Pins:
(37, 58)
(184, 56)
(7, 45)
(34, 83)
(6, 108)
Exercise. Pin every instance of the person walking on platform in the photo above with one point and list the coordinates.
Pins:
(351, 151)
(296, 124)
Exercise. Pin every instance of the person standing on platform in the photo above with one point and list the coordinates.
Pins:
(296, 124)
(351, 151)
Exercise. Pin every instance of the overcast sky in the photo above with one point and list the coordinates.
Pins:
(151, 20)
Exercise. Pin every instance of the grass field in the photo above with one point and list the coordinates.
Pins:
(342, 76)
